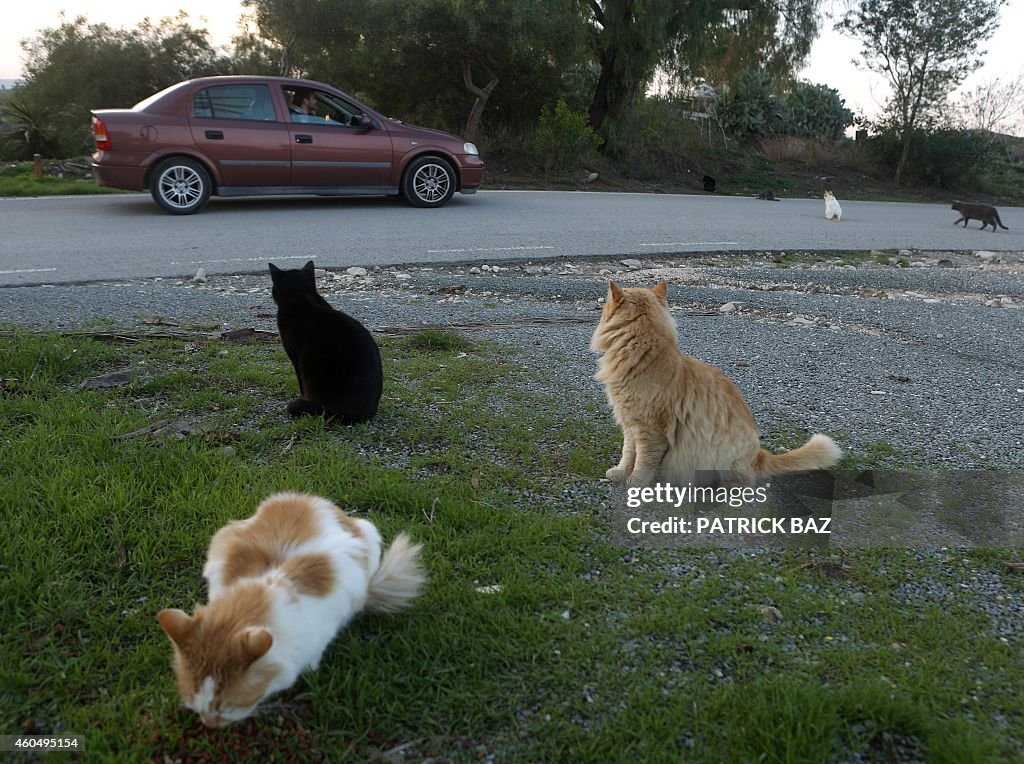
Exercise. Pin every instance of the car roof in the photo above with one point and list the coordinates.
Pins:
(167, 101)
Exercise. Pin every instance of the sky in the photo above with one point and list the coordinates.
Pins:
(830, 61)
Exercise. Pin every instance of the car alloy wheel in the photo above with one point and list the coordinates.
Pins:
(429, 182)
(180, 186)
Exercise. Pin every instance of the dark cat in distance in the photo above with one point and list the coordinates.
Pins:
(336, 359)
(986, 213)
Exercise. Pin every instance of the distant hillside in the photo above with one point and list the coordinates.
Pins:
(1013, 144)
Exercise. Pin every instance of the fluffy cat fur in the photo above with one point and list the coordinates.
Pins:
(986, 213)
(680, 417)
(335, 357)
(282, 584)
(832, 209)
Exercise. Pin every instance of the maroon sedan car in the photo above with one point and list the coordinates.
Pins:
(249, 136)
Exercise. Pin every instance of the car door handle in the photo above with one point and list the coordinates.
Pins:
(215, 135)
(303, 138)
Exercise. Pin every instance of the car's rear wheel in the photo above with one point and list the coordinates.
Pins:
(428, 182)
(180, 186)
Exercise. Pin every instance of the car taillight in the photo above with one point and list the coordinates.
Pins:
(99, 131)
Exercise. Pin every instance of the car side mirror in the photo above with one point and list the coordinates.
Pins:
(362, 121)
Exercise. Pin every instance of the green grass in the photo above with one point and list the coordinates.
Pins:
(756, 180)
(840, 258)
(1005, 179)
(590, 652)
(26, 184)
(436, 340)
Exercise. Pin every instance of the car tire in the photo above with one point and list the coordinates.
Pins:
(181, 186)
(428, 182)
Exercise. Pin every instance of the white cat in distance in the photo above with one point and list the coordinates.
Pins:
(832, 209)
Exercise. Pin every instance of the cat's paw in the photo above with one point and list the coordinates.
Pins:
(616, 473)
(300, 406)
(639, 479)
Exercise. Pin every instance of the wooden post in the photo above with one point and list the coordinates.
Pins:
(37, 159)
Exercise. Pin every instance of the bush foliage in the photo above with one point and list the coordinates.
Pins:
(754, 107)
(942, 157)
(564, 139)
(815, 111)
(751, 108)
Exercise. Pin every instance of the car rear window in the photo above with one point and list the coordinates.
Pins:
(234, 102)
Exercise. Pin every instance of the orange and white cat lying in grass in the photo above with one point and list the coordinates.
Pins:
(679, 416)
(282, 584)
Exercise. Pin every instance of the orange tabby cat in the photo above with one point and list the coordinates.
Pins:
(678, 415)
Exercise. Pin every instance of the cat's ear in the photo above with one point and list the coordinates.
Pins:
(614, 292)
(274, 270)
(309, 266)
(256, 642)
(177, 623)
(661, 290)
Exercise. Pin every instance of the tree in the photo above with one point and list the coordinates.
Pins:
(924, 47)
(771, 37)
(631, 39)
(996, 105)
(445, 61)
(252, 54)
(78, 66)
(463, 54)
(494, 42)
(306, 32)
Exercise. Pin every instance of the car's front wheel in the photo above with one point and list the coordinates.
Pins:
(428, 182)
(180, 186)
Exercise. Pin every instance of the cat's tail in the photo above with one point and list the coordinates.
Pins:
(816, 454)
(399, 577)
(996, 216)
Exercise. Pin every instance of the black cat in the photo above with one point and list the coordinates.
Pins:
(336, 359)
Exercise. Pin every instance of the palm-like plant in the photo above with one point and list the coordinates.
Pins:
(30, 127)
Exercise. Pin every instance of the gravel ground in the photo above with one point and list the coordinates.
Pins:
(913, 367)
(909, 367)
(913, 358)
(921, 364)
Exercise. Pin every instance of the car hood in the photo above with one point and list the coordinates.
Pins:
(424, 132)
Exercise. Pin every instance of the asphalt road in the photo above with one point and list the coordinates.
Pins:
(64, 240)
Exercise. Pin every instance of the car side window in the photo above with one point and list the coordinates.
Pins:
(324, 108)
(244, 102)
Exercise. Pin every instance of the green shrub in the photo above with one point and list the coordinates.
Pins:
(753, 108)
(943, 157)
(655, 138)
(564, 138)
(815, 111)
(750, 108)
(29, 128)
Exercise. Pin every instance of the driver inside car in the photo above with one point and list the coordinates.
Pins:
(303, 107)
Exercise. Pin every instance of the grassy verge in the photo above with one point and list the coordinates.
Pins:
(26, 184)
(587, 652)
